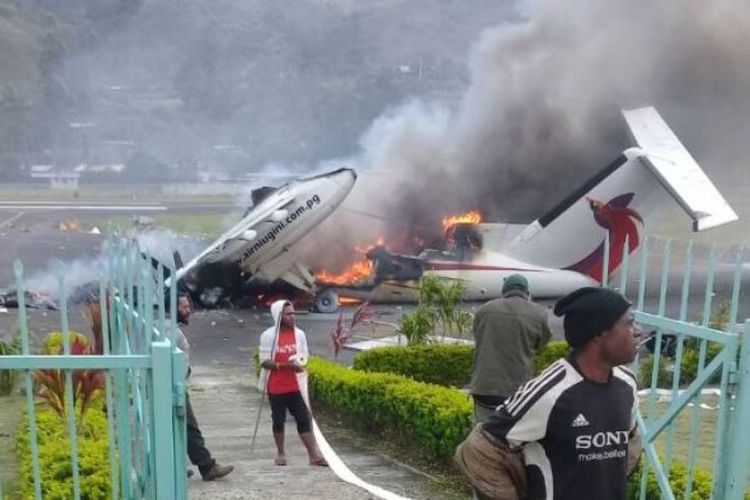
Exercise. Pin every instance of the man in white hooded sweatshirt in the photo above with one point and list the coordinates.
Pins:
(283, 354)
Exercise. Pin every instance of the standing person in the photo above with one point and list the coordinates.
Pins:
(283, 353)
(196, 448)
(574, 422)
(507, 331)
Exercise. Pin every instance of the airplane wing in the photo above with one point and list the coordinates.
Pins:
(677, 170)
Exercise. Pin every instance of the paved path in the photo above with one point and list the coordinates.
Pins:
(225, 404)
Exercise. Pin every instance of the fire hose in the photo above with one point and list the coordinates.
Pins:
(335, 463)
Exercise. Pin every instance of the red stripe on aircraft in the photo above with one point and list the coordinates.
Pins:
(461, 266)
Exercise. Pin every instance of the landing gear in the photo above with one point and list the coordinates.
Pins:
(326, 301)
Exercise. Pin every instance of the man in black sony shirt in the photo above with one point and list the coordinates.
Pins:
(574, 420)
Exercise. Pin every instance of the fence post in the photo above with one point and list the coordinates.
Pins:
(161, 355)
(738, 437)
(180, 423)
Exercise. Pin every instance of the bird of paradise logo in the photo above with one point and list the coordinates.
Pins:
(620, 222)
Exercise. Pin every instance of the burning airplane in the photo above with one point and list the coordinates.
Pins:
(260, 250)
(563, 249)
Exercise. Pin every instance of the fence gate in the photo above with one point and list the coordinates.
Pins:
(695, 398)
(143, 386)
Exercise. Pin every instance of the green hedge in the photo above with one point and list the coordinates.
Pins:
(701, 489)
(54, 456)
(434, 417)
(449, 365)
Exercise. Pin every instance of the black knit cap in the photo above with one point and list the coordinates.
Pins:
(588, 312)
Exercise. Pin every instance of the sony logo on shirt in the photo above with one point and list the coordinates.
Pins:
(601, 440)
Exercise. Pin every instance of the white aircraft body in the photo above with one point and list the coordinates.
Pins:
(563, 249)
(260, 247)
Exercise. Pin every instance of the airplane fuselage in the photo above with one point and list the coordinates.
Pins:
(483, 276)
(273, 226)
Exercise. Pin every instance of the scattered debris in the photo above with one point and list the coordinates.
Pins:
(73, 224)
(34, 300)
(143, 222)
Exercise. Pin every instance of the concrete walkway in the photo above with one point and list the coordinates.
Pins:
(225, 404)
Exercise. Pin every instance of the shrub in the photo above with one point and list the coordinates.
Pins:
(8, 377)
(434, 417)
(688, 365)
(54, 457)
(418, 325)
(438, 309)
(645, 372)
(691, 358)
(701, 487)
(435, 364)
(51, 383)
(549, 354)
(444, 296)
(53, 342)
(441, 364)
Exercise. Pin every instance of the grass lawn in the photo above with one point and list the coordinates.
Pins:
(706, 436)
(107, 194)
(208, 226)
(10, 414)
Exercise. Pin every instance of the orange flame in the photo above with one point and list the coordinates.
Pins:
(347, 301)
(473, 217)
(359, 271)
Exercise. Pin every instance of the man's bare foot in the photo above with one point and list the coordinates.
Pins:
(319, 461)
(280, 460)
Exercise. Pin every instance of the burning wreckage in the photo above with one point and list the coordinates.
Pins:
(257, 258)
(562, 250)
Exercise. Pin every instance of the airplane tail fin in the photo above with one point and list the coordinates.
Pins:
(622, 200)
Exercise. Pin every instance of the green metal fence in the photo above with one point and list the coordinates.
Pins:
(696, 406)
(144, 381)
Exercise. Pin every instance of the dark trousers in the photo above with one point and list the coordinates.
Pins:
(296, 405)
(196, 447)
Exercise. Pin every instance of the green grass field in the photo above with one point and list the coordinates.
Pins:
(207, 226)
(706, 435)
(150, 194)
(10, 414)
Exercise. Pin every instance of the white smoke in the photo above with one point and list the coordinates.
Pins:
(81, 276)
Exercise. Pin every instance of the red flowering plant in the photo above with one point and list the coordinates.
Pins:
(342, 332)
(87, 384)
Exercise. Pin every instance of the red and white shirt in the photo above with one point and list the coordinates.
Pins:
(284, 381)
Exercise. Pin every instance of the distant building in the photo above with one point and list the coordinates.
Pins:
(57, 179)
(112, 168)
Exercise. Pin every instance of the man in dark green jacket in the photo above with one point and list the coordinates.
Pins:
(507, 332)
